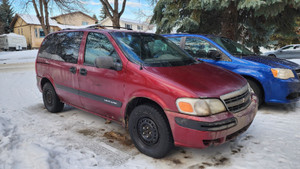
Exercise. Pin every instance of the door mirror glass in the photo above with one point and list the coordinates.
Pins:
(108, 63)
(214, 54)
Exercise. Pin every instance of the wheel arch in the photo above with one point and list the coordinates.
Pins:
(136, 101)
(272, 55)
(44, 81)
(258, 83)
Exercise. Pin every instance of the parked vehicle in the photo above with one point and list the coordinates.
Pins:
(286, 52)
(12, 41)
(273, 80)
(148, 84)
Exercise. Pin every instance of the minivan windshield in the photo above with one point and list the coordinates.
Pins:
(152, 50)
(232, 47)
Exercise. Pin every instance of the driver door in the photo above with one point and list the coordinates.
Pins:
(101, 89)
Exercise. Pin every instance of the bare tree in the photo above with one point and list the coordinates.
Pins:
(113, 13)
(41, 8)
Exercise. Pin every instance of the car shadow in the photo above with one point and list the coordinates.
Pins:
(279, 108)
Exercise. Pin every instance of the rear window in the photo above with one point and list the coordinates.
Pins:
(61, 46)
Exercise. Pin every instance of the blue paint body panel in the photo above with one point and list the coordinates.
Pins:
(259, 68)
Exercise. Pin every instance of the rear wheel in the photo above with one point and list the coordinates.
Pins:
(257, 90)
(51, 100)
(150, 131)
(272, 55)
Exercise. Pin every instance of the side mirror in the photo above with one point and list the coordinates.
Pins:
(108, 63)
(214, 54)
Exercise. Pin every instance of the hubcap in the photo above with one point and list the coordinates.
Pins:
(147, 131)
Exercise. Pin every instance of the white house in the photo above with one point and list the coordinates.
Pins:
(129, 23)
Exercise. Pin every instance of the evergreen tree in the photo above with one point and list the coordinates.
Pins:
(102, 14)
(95, 17)
(250, 22)
(6, 16)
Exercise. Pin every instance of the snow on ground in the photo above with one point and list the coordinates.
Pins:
(27, 56)
(33, 138)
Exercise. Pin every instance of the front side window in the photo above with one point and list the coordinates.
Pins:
(287, 48)
(62, 46)
(98, 45)
(232, 47)
(152, 50)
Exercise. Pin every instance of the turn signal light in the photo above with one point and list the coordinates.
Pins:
(186, 107)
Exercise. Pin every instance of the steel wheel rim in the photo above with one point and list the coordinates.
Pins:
(49, 97)
(147, 131)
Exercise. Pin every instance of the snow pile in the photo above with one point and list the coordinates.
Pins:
(18, 56)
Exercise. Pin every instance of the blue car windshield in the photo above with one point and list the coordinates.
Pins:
(232, 47)
(152, 50)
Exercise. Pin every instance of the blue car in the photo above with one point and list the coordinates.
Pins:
(273, 80)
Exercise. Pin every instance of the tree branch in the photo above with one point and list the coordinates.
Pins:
(107, 5)
(123, 8)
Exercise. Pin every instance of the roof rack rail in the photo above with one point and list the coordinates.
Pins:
(104, 26)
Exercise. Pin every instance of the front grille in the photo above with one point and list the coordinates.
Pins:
(298, 73)
(237, 100)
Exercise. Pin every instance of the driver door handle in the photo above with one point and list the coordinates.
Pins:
(83, 71)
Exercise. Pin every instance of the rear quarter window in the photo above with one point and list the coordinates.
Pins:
(61, 46)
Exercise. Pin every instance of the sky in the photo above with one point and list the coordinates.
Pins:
(92, 7)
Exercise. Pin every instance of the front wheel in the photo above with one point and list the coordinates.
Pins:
(51, 100)
(257, 90)
(150, 131)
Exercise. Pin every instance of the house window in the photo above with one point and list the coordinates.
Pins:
(139, 27)
(35, 31)
(84, 23)
(19, 31)
(22, 31)
(128, 26)
(42, 33)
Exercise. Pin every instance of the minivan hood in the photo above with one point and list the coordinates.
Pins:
(272, 61)
(203, 79)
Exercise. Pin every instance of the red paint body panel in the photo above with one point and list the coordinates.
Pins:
(162, 85)
(204, 80)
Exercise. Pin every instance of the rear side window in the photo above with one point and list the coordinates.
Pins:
(62, 46)
(198, 48)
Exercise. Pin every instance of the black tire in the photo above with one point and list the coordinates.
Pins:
(51, 100)
(272, 55)
(150, 131)
(257, 90)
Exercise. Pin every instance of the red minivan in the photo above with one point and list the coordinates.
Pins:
(146, 83)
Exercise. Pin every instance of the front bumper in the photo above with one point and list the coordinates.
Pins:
(201, 132)
(283, 91)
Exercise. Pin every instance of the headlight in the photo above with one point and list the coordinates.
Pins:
(282, 73)
(200, 107)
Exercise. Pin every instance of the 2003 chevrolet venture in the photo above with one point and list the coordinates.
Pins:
(146, 83)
